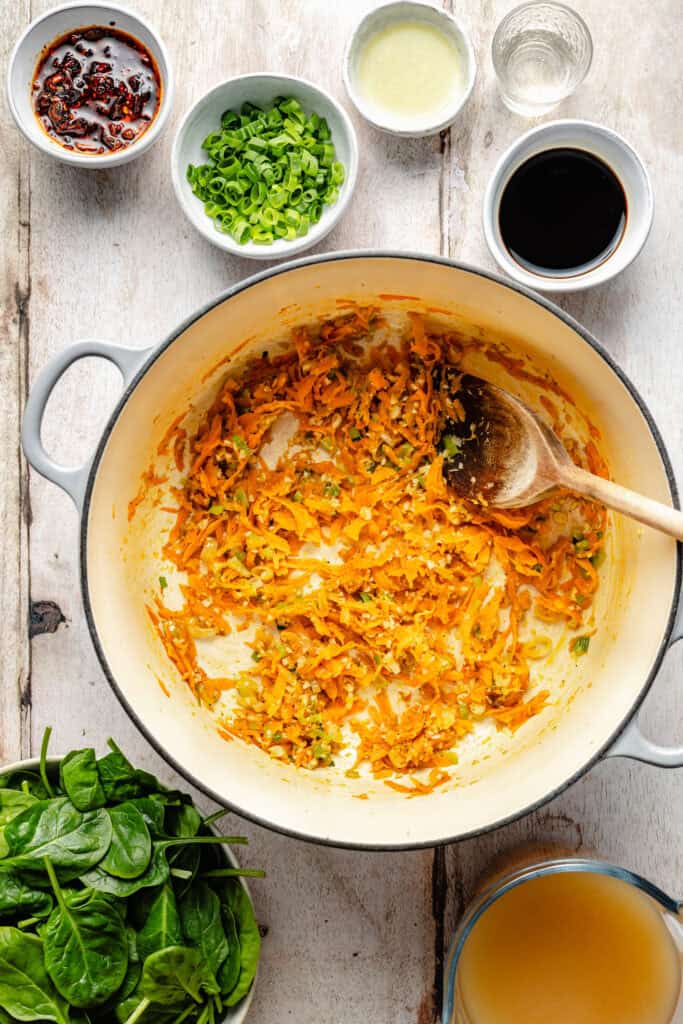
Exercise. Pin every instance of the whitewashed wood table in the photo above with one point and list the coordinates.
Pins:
(351, 937)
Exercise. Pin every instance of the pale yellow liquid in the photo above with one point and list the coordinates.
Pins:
(410, 69)
(575, 948)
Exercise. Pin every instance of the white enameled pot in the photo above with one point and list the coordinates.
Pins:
(595, 698)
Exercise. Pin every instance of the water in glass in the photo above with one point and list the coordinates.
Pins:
(541, 53)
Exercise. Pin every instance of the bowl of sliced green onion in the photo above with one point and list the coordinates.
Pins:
(265, 165)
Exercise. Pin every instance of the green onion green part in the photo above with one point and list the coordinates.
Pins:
(269, 174)
(581, 644)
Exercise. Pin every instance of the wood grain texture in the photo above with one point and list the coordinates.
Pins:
(628, 813)
(15, 290)
(351, 937)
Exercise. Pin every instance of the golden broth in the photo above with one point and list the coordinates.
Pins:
(570, 948)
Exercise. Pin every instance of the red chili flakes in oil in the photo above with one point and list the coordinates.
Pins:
(96, 89)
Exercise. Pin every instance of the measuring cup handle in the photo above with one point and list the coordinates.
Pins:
(73, 480)
(632, 743)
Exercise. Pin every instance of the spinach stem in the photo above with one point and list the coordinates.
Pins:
(138, 1011)
(203, 841)
(181, 873)
(216, 816)
(183, 1014)
(43, 761)
(52, 875)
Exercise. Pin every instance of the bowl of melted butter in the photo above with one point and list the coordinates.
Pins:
(409, 68)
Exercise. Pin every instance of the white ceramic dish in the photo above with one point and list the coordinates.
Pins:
(260, 89)
(233, 1014)
(624, 162)
(499, 776)
(50, 26)
(390, 13)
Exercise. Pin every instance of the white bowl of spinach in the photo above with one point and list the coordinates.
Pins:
(118, 903)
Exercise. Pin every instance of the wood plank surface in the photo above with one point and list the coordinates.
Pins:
(351, 937)
(15, 509)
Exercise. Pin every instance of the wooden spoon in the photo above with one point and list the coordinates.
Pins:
(502, 454)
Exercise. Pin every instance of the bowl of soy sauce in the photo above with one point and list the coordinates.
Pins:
(569, 206)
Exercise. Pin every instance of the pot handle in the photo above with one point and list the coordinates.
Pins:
(73, 480)
(632, 743)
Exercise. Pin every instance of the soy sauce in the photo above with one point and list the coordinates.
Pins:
(562, 211)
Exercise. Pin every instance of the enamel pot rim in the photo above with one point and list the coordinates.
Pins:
(370, 255)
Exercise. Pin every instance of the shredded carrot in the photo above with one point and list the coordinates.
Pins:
(150, 479)
(406, 636)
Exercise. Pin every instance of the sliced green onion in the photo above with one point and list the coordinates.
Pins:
(451, 445)
(580, 645)
(598, 558)
(270, 172)
(241, 445)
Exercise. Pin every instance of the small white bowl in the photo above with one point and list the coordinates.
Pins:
(45, 30)
(626, 165)
(260, 89)
(231, 1014)
(390, 13)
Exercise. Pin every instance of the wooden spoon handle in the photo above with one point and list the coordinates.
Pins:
(621, 499)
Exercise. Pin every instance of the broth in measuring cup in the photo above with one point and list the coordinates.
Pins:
(569, 948)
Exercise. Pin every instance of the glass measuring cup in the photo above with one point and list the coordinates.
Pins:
(455, 1010)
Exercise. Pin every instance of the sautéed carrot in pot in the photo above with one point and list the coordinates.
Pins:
(386, 618)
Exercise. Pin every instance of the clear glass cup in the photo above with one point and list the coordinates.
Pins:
(454, 1011)
(541, 54)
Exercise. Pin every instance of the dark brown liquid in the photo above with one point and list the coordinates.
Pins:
(562, 210)
(96, 89)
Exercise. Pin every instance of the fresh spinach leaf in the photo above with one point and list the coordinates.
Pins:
(229, 971)
(28, 782)
(12, 803)
(147, 1013)
(162, 926)
(200, 913)
(86, 945)
(26, 992)
(173, 974)
(19, 899)
(131, 980)
(130, 850)
(153, 812)
(105, 1012)
(120, 780)
(156, 874)
(80, 780)
(55, 829)
(184, 862)
(236, 898)
(184, 820)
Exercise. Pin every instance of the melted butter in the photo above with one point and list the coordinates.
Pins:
(410, 69)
